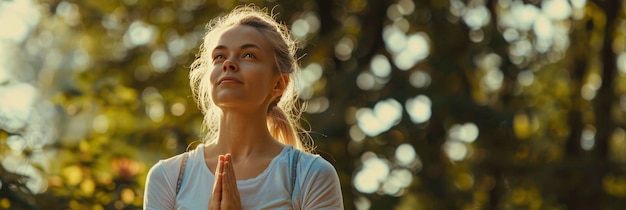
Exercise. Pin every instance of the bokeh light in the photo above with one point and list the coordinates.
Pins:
(456, 151)
(419, 108)
(16, 105)
(380, 66)
(405, 154)
(386, 113)
(372, 174)
(467, 132)
(588, 138)
(80, 78)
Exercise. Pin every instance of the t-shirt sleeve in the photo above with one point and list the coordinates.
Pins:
(321, 188)
(159, 192)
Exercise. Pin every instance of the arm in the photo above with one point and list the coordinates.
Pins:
(321, 188)
(159, 192)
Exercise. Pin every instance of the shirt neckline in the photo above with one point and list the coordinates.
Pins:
(267, 170)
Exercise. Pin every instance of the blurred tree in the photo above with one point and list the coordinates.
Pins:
(456, 104)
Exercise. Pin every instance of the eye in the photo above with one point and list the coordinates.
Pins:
(218, 57)
(249, 55)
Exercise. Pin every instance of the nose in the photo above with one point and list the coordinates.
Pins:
(229, 65)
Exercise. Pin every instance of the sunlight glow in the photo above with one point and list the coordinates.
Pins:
(589, 89)
(306, 78)
(17, 18)
(356, 134)
(621, 62)
(154, 107)
(305, 26)
(16, 143)
(176, 46)
(556, 9)
(477, 17)
(16, 105)
(394, 38)
(368, 122)
(300, 28)
(389, 111)
(467, 132)
(344, 48)
(365, 81)
(69, 12)
(417, 49)
(177, 109)
(493, 76)
(19, 165)
(398, 180)
(457, 7)
(456, 151)
(139, 33)
(578, 3)
(160, 60)
(4, 73)
(81, 59)
(405, 154)
(525, 78)
(380, 66)
(419, 79)
(617, 145)
(524, 15)
(393, 12)
(386, 114)
(521, 48)
(543, 27)
(522, 125)
(406, 7)
(492, 81)
(374, 172)
(362, 203)
(419, 108)
(155, 111)
(317, 105)
(510, 35)
(101, 123)
(403, 24)
(587, 139)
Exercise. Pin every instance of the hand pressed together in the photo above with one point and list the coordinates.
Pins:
(225, 193)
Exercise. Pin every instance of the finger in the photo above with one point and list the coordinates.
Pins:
(232, 179)
(233, 193)
(225, 189)
(229, 167)
(220, 164)
(216, 196)
(217, 184)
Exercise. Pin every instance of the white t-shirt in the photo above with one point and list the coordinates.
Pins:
(317, 184)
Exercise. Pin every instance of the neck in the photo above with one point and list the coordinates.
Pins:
(243, 134)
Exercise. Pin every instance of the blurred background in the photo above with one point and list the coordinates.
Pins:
(424, 104)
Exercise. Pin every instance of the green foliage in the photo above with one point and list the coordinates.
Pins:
(454, 104)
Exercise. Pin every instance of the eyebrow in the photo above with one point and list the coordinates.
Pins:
(244, 46)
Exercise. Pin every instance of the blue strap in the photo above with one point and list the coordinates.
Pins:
(181, 171)
(294, 173)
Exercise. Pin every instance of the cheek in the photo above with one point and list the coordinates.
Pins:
(213, 75)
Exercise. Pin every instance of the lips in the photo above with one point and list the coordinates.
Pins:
(228, 80)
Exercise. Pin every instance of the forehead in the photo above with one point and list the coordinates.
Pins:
(238, 35)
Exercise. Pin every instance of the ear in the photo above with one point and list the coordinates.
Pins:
(281, 84)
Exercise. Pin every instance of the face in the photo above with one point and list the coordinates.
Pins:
(244, 73)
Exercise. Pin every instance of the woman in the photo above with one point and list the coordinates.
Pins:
(251, 159)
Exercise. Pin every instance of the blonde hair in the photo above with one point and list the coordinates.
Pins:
(284, 114)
